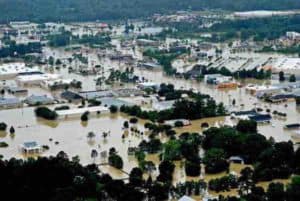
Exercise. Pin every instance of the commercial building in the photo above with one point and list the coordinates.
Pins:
(80, 111)
(220, 80)
(34, 100)
(96, 94)
(107, 102)
(71, 96)
(287, 65)
(145, 85)
(36, 78)
(10, 103)
(11, 70)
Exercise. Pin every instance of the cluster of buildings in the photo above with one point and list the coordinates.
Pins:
(220, 81)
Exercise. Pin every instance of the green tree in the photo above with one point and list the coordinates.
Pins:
(215, 161)
(281, 76)
(292, 78)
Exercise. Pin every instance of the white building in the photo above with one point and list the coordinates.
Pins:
(287, 65)
(36, 78)
(10, 70)
(293, 35)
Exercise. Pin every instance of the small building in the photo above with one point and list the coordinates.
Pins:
(71, 96)
(217, 79)
(30, 148)
(147, 85)
(277, 98)
(146, 42)
(185, 122)
(261, 118)
(96, 94)
(107, 102)
(236, 159)
(34, 100)
(129, 92)
(149, 65)
(292, 126)
(10, 103)
(243, 115)
(163, 105)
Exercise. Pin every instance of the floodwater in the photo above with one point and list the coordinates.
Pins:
(71, 133)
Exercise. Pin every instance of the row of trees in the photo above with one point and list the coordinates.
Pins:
(258, 28)
(14, 50)
(68, 180)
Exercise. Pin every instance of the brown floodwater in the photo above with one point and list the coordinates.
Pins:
(71, 133)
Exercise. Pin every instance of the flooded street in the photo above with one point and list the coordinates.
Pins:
(70, 135)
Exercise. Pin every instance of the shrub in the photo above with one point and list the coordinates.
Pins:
(3, 144)
(192, 168)
(178, 124)
(45, 113)
(85, 116)
(115, 160)
(113, 109)
(133, 120)
(3, 126)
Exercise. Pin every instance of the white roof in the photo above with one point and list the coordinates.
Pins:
(287, 64)
(58, 81)
(37, 77)
(186, 198)
(15, 68)
(82, 110)
(148, 84)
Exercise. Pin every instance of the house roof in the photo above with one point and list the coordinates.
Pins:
(31, 144)
(37, 98)
(9, 101)
(261, 117)
(69, 95)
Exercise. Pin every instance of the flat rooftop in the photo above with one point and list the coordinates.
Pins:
(82, 110)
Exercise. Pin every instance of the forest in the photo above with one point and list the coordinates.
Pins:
(85, 10)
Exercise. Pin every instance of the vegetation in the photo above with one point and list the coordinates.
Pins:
(257, 28)
(292, 78)
(200, 106)
(80, 10)
(3, 126)
(14, 50)
(215, 161)
(165, 58)
(241, 74)
(113, 109)
(115, 160)
(85, 116)
(3, 144)
(225, 183)
(45, 113)
(118, 76)
(281, 76)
